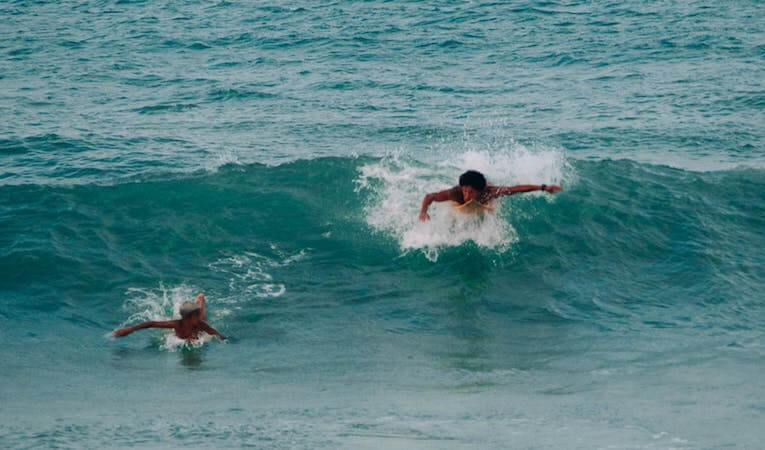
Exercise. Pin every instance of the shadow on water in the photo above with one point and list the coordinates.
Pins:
(495, 321)
(125, 356)
(191, 358)
(471, 277)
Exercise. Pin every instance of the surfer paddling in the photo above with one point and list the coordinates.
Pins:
(473, 190)
(191, 324)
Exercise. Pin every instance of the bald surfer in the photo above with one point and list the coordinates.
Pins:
(475, 193)
(190, 326)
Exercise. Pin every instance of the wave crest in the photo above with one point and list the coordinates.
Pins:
(396, 186)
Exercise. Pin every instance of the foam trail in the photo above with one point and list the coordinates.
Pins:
(250, 273)
(396, 187)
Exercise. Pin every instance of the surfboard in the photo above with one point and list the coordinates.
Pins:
(473, 207)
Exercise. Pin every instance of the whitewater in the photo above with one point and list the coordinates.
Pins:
(275, 155)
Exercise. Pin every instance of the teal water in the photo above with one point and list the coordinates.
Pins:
(274, 156)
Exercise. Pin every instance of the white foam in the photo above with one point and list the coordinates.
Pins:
(221, 159)
(250, 273)
(159, 305)
(172, 342)
(396, 186)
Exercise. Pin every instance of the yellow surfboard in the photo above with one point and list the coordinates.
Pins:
(473, 207)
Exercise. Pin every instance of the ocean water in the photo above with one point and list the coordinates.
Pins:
(273, 155)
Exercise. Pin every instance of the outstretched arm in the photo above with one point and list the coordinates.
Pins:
(201, 303)
(210, 330)
(510, 190)
(125, 331)
(440, 196)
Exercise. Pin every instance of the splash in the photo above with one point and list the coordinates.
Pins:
(396, 186)
(159, 305)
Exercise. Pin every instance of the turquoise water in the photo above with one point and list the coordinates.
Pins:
(274, 157)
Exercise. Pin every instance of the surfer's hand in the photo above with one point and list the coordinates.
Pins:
(121, 332)
(553, 188)
(424, 216)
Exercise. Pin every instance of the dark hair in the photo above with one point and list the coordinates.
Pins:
(474, 179)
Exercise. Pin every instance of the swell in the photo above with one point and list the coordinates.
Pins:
(678, 229)
(626, 246)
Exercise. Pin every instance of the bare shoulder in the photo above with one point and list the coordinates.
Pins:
(491, 192)
(453, 194)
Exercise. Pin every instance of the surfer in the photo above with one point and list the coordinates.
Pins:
(473, 189)
(191, 324)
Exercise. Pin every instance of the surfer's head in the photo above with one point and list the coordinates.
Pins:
(190, 312)
(472, 184)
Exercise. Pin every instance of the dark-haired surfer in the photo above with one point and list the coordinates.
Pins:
(473, 188)
(191, 324)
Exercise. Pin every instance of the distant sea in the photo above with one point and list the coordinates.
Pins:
(274, 155)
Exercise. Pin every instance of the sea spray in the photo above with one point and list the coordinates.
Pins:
(396, 185)
(159, 305)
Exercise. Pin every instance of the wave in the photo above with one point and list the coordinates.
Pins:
(621, 232)
(382, 196)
